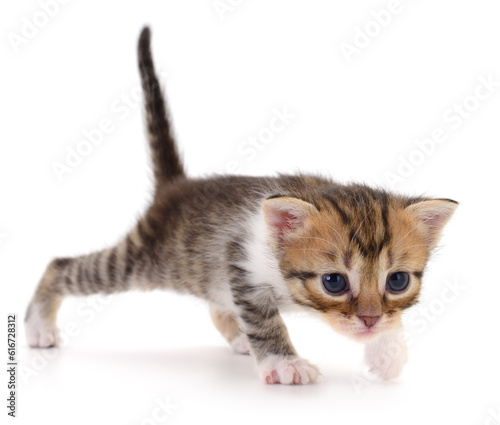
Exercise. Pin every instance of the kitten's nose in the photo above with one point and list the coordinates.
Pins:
(369, 321)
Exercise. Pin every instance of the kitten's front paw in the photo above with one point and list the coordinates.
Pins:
(286, 370)
(386, 358)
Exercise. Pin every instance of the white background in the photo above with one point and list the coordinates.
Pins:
(353, 120)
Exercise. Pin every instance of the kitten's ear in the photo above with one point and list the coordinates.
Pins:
(433, 215)
(284, 216)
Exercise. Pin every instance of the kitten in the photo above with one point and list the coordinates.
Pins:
(255, 246)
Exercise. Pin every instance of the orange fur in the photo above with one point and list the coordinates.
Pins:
(391, 237)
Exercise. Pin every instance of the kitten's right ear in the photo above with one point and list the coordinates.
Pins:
(284, 216)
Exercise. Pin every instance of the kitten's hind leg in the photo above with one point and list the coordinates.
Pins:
(108, 271)
(228, 326)
(41, 316)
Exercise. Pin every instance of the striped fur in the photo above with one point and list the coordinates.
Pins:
(167, 165)
(254, 246)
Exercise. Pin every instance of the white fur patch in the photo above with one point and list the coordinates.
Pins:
(288, 371)
(39, 333)
(241, 345)
(387, 354)
(263, 263)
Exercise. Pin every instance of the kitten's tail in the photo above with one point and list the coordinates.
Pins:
(167, 164)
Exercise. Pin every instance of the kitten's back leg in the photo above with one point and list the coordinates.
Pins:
(41, 316)
(64, 276)
(129, 264)
(228, 326)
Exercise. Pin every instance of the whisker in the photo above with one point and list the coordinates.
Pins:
(320, 239)
(319, 250)
(335, 230)
(412, 246)
(427, 224)
(405, 266)
(405, 236)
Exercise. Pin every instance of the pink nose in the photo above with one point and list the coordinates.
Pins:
(369, 321)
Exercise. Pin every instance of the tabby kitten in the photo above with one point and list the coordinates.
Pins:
(255, 246)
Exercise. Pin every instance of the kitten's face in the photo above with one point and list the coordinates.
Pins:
(358, 263)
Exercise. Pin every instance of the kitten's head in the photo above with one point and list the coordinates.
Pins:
(355, 254)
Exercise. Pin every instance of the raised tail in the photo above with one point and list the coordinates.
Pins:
(132, 263)
(167, 165)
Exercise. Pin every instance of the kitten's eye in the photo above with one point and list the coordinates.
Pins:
(335, 283)
(397, 282)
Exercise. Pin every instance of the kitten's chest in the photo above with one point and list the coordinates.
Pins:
(263, 266)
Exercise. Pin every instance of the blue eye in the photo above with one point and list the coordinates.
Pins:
(335, 283)
(397, 282)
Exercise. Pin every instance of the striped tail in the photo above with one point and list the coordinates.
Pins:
(134, 262)
(167, 165)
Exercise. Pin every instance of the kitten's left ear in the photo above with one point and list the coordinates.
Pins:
(433, 215)
(284, 216)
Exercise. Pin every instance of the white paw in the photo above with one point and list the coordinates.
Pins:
(241, 345)
(42, 336)
(286, 370)
(387, 356)
(39, 333)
